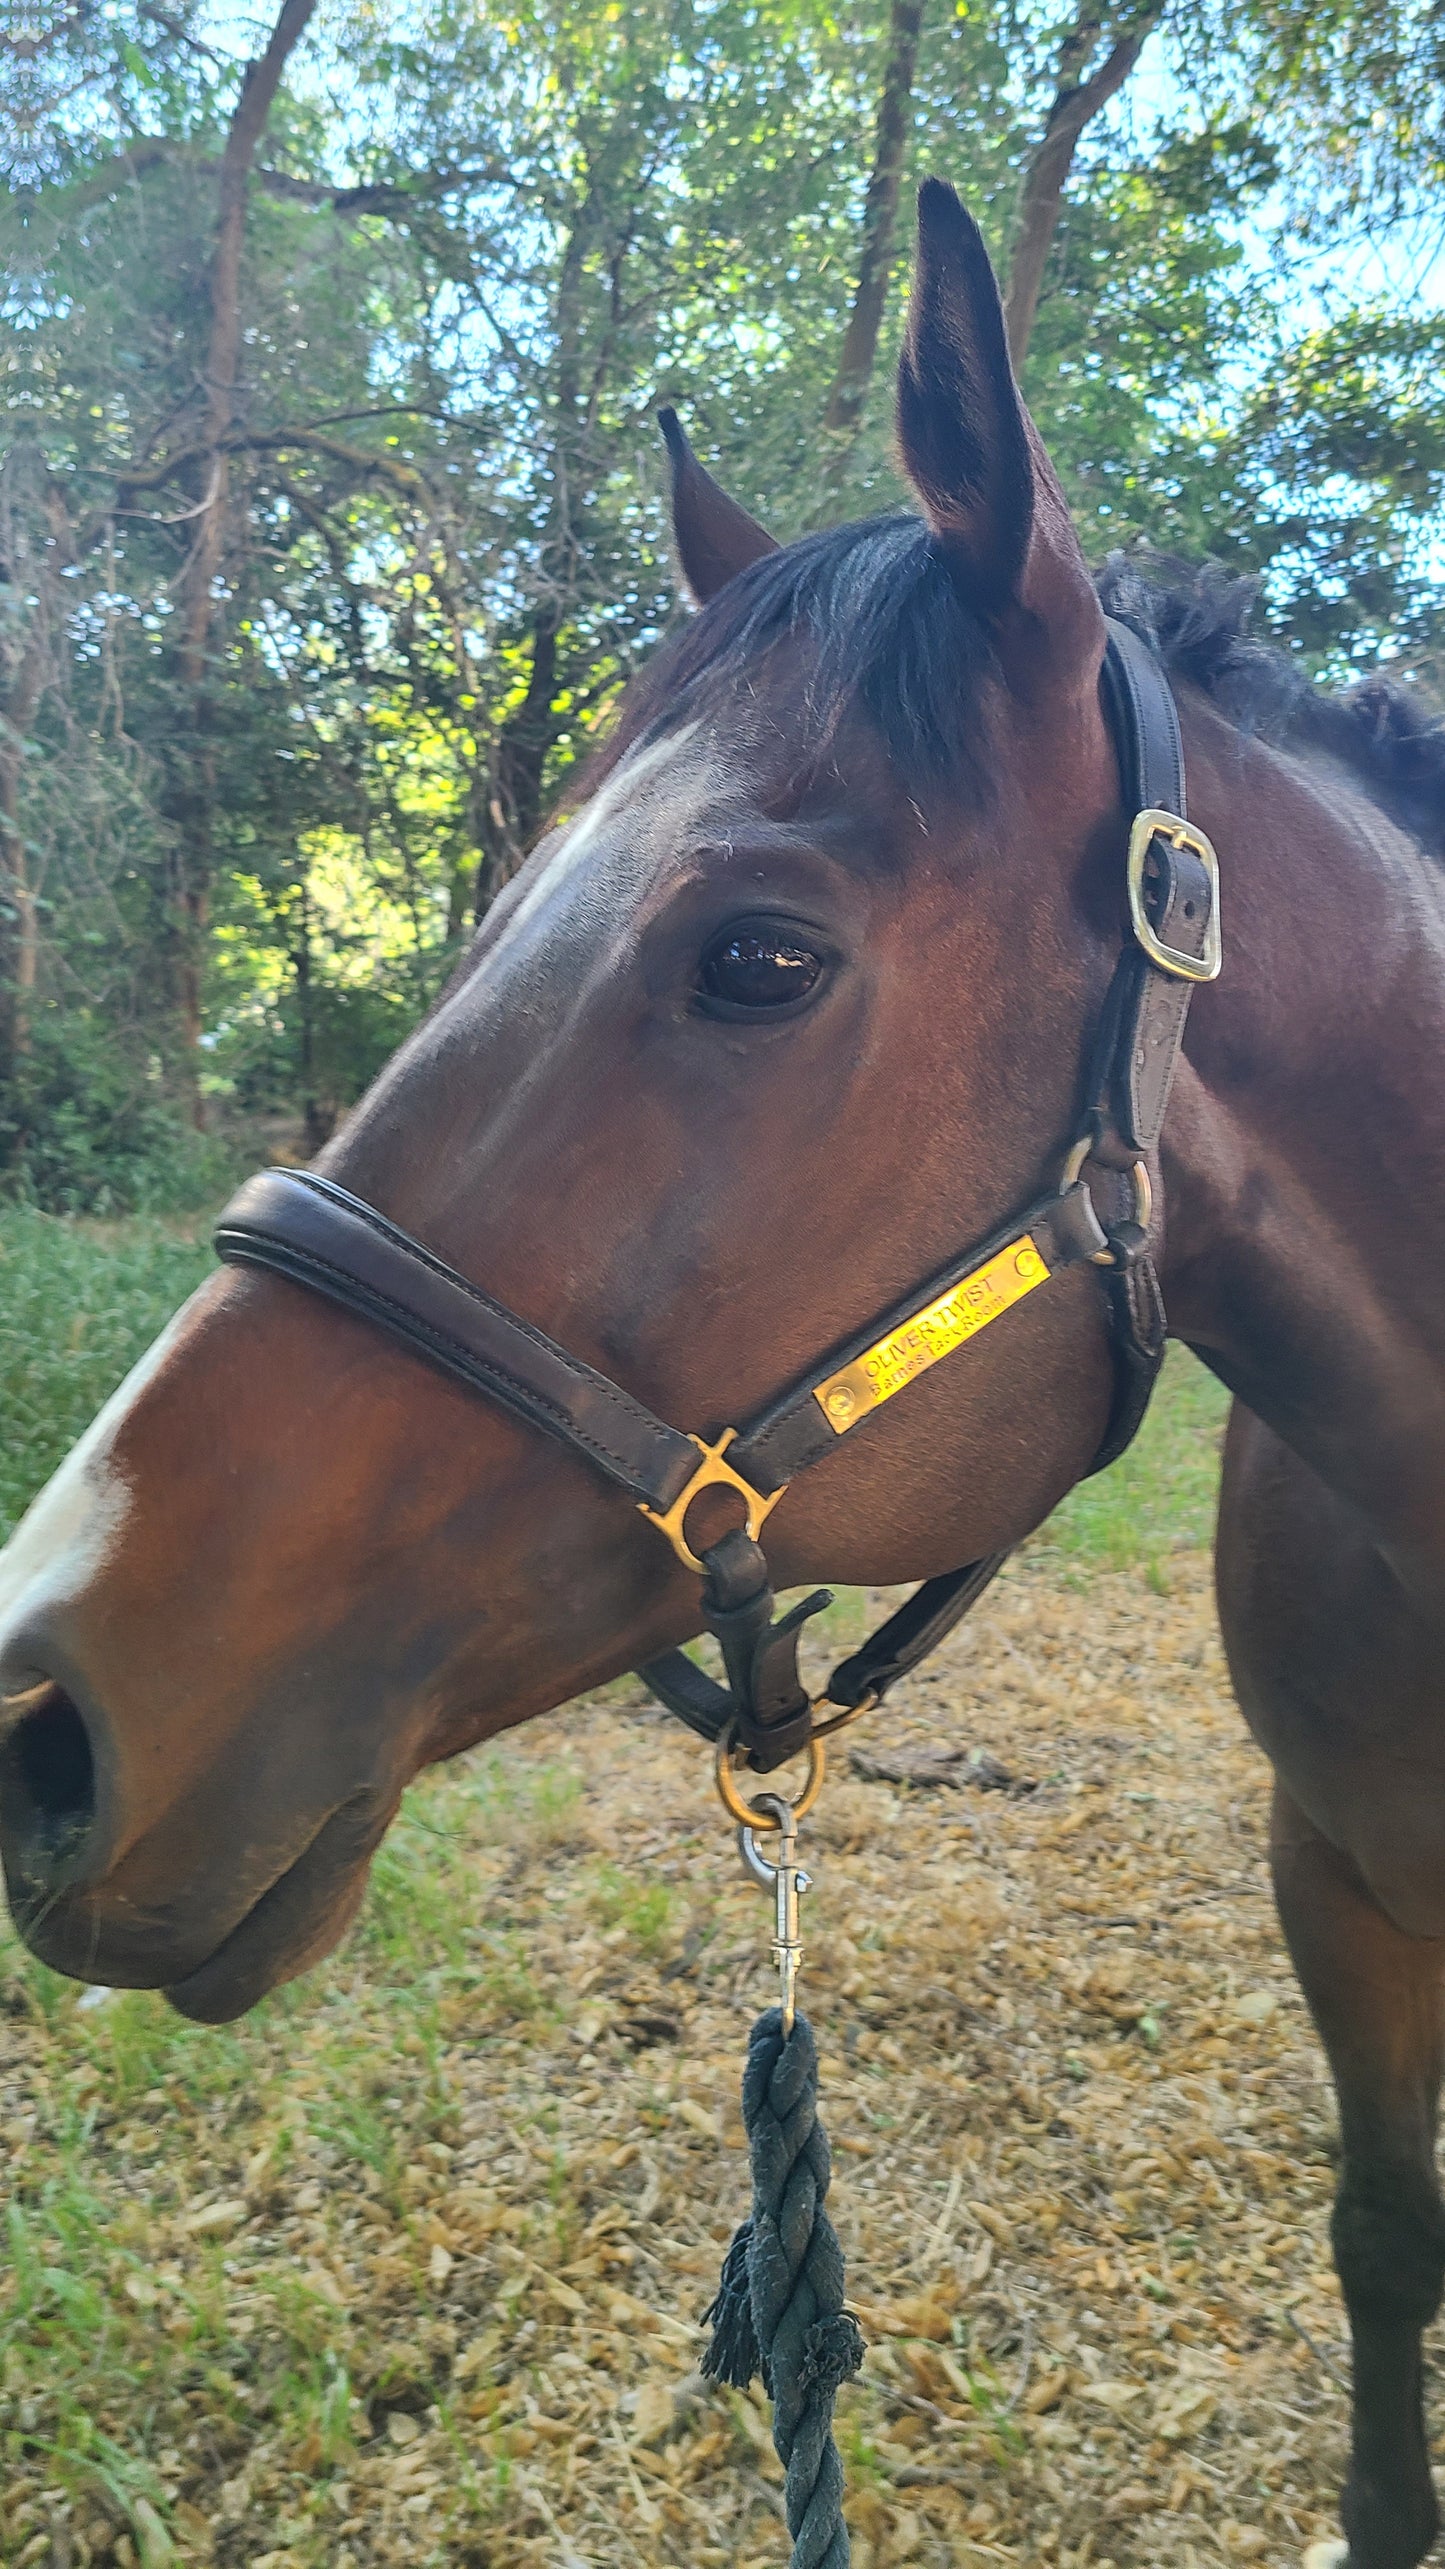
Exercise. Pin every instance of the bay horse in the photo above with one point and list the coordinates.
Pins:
(798, 999)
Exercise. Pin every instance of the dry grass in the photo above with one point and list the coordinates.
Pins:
(408, 2268)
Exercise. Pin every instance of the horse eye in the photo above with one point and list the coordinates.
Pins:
(758, 968)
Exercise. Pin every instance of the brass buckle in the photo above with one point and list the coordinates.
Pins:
(1148, 826)
(713, 1472)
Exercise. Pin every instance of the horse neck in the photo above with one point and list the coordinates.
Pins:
(1304, 1157)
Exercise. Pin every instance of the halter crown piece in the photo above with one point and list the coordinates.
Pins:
(297, 1224)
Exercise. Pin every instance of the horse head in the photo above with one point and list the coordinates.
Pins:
(796, 1000)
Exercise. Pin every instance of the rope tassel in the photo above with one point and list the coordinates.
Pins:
(779, 2307)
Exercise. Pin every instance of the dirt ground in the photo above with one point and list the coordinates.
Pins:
(1082, 2164)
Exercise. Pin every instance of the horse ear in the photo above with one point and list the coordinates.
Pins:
(969, 446)
(715, 538)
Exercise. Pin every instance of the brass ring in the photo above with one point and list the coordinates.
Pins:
(747, 1814)
(1143, 1212)
(713, 1472)
(1074, 1165)
(841, 1715)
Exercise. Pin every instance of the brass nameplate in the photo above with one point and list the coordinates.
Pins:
(916, 1344)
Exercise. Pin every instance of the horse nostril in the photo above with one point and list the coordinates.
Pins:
(47, 1787)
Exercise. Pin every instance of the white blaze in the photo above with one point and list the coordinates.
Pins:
(67, 1532)
(657, 790)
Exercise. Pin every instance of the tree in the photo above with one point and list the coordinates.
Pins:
(28, 618)
(331, 510)
(203, 467)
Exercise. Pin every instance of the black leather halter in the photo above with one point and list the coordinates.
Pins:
(299, 1225)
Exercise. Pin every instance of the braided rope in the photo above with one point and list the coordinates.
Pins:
(779, 2309)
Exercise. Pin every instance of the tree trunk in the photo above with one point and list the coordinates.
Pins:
(843, 413)
(191, 802)
(461, 894)
(1077, 102)
(514, 807)
(19, 914)
(514, 802)
(317, 1118)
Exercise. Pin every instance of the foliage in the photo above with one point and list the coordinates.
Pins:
(247, 837)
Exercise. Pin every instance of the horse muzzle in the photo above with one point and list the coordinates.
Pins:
(102, 1915)
(209, 1969)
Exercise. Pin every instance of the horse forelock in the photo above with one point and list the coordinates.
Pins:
(882, 627)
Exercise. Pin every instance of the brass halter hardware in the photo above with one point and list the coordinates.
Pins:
(1143, 1190)
(837, 1717)
(752, 1815)
(713, 1472)
(1149, 825)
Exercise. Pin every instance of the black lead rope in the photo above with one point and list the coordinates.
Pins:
(779, 2310)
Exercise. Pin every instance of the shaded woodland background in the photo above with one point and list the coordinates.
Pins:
(331, 497)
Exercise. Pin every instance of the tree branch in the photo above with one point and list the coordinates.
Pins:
(385, 196)
(358, 459)
(131, 163)
(132, 479)
(379, 196)
(844, 408)
(1076, 104)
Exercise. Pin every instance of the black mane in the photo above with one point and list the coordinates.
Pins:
(890, 629)
(1197, 620)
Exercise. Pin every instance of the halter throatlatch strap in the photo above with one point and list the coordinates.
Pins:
(305, 1227)
(1172, 880)
(857, 1683)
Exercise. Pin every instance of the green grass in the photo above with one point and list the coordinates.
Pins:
(1160, 1496)
(79, 1302)
(119, 2325)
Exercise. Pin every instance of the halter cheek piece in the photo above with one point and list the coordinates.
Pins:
(302, 1226)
